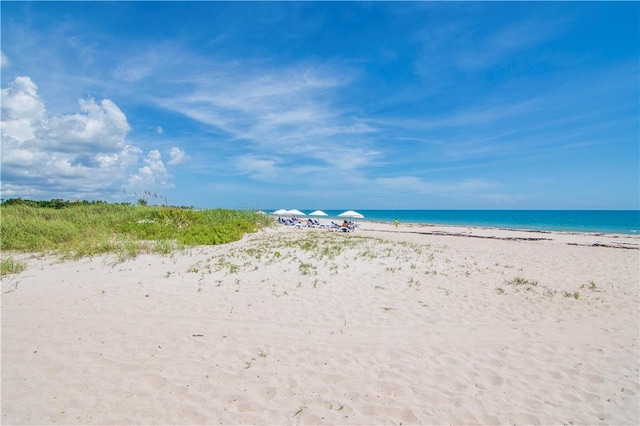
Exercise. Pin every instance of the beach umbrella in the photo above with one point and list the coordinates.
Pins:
(351, 214)
(318, 213)
(295, 213)
(280, 212)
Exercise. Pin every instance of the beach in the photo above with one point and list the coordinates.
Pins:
(416, 324)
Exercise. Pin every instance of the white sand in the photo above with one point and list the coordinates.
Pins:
(415, 325)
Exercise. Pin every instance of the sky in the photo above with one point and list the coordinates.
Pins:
(323, 105)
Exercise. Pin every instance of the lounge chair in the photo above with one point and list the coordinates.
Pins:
(314, 223)
(339, 228)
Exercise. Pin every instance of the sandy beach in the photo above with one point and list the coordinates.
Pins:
(410, 325)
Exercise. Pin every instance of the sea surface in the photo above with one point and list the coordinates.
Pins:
(594, 221)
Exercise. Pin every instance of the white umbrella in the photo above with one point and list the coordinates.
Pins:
(295, 213)
(351, 213)
(280, 212)
(318, 213)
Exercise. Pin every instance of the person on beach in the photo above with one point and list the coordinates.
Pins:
(396, 222)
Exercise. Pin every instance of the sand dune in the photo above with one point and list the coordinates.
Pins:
(415, 325)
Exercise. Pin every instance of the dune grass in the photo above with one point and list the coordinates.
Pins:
(10, 265)
(84, 229)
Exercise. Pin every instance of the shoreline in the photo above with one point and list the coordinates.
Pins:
(625, 222)
(306, 326)
(506, 228)
(458, 231)
(611, 240)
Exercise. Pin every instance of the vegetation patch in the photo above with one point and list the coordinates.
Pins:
(80, 229)
(10, 265)
(519, 284)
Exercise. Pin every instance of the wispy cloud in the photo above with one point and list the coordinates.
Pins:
(498, 46)
(292, 112)
(469, 115)
(259, 168)
(535, 121)
(414, 184)
(4, 60)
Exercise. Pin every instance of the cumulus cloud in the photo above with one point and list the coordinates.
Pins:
(150, 175)
(22, 110)
(177, 156)
(98, 127)
(85, 154)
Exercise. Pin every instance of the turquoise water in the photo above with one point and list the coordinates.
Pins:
(598, 221)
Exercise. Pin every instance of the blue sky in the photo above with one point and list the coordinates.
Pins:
(332, 105)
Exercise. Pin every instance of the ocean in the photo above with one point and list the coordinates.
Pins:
(595, 221)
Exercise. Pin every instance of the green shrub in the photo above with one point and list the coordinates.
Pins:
(87, 228)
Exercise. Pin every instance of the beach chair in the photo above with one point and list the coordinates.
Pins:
(314, 223)
(339, 228)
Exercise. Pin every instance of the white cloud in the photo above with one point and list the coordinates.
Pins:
(22, 110)
(4, 60)
(413, 184)
(288, 112)
(152, 175)
(258, 168)
(506, 42)
(85, 154)
(177, 156)
(100, 127)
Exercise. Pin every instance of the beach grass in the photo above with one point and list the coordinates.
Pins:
(10, 265)
(88, 228)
